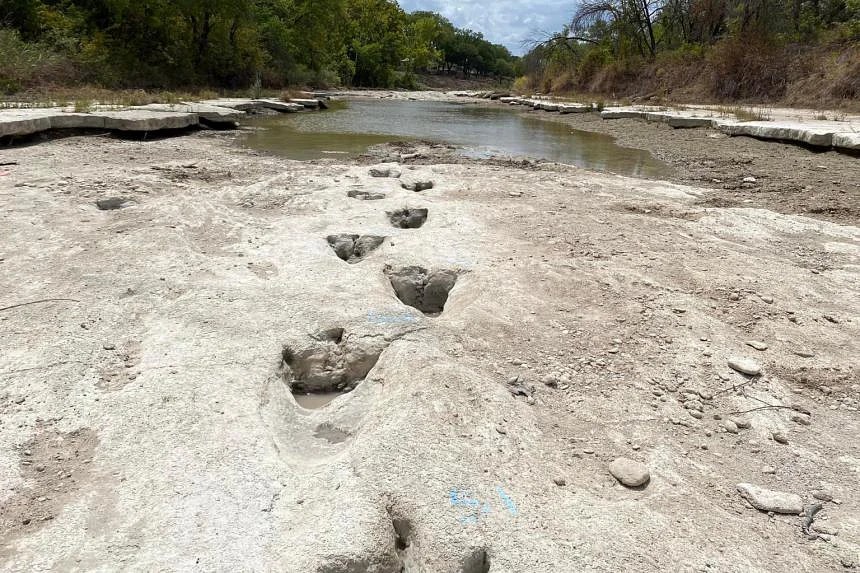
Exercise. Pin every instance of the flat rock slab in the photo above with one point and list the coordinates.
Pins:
(311, 103)
(818, 136)
(623, 114)
(26, 122)
(281, 106)
(248, 104)
(847, 140)
(212, 113)
(574, 108)
(817, 133)
(768, 500)
(146, 120)
(75, 120)
(680, 119)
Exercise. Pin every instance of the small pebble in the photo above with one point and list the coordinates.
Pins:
(779, 438)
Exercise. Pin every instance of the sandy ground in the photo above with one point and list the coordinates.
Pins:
(789, 178)
(146, 421)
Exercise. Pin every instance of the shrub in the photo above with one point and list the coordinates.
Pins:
(26, 64)
(748, 68)
(521, 85)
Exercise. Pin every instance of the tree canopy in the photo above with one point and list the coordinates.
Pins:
(748, 47)
(233, 43)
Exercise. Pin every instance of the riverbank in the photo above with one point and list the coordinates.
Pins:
(741, 171)
(161, 297)
(737, 171)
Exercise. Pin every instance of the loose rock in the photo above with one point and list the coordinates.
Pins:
(745, 366)
(757, 344)
(730, 426)
(629, 472)
(768, 500)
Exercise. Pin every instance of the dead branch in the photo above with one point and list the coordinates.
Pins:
(38, 302)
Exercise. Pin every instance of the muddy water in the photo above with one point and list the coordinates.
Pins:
(349, 128)
(316, 401)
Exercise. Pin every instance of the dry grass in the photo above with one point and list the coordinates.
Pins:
(84, 98)
(749, 113)
(732, 71)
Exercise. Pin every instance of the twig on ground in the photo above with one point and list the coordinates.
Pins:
(734, 387)
(38, 302)
(768, 407)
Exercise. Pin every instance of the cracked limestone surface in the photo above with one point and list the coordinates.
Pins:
(177, 444)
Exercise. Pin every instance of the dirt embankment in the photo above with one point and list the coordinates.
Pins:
(786, 178)
(520, 328)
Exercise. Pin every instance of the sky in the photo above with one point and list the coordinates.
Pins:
(506, 22)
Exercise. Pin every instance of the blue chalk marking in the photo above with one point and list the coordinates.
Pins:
(475, 508)
(461, 498)
(506, 499)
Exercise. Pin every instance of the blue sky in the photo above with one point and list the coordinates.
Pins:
(506, 22)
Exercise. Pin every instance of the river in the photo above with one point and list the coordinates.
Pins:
(350, 127)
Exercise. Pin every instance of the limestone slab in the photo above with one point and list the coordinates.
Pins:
(147, 120)
(785, 131)
(213, 113)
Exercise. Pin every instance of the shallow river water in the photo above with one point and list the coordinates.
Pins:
(350, 127)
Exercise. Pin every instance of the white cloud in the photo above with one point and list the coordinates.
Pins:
(507, 22)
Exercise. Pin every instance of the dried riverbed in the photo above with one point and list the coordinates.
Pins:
(522, 326)
(788, 178)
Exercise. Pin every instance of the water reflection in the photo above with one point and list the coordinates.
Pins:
(351, 127)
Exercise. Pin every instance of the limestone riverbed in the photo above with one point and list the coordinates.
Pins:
(556, 370)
